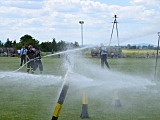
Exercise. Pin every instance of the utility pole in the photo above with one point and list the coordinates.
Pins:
(114, 23)
(81, 22)
(157, 56)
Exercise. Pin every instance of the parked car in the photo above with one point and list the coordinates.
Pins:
(112, 51)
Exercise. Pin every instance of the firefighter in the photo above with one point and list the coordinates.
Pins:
(38, 62)
(30, 59)
(103, 54)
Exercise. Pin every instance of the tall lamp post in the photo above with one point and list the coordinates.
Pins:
(157, 55)
(81, 22)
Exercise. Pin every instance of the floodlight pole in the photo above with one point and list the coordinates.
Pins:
(81, 22)
(157, 56)
(114, 23)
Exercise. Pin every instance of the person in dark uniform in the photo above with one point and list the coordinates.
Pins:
(30, 59)
(23, 52)
(103, 54)
(38, 62)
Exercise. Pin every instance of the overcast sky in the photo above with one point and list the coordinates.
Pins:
(138, 20)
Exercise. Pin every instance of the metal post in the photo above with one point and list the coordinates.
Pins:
(115, 22)
(61, 96)
(81, 22)
(84, 113)
(63, 92)
(157, 56)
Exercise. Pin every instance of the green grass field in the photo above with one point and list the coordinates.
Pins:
(33, 97)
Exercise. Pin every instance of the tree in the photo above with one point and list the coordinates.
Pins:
(54, 45)
(18, 46)
(76, 44)
(61, 45)
(24, 39)
(29, 40)
(1, 44)
(128, 46)
(150, 46)
(8, 43)
(14, 43)
(46, 46)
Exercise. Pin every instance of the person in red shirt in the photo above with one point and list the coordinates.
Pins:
(30, 59)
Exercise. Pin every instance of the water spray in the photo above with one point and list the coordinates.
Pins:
(69, 51)
(58, 53)
(64, 89)
(26, 64)
(117, 100)
(62, 96)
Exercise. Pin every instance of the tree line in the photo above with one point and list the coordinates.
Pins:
(151, 47)
(27, 40)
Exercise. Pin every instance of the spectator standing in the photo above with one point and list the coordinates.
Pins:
(23, 52)
(19, 53)
(147, 55)
(153, 55)
(103, 54)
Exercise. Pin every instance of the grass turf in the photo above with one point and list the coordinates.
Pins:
(21, 101)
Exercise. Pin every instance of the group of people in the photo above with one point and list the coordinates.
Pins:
(153, 55)
(32, 57)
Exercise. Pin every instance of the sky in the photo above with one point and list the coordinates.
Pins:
(137, 21)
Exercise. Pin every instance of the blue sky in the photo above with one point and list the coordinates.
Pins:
(115, 2)
(138, 20)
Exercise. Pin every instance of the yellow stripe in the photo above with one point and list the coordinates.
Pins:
(57, 110)
(85, 99)
(116, 95)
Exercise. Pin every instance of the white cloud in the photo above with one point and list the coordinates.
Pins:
(60, 19)
(146, 2)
